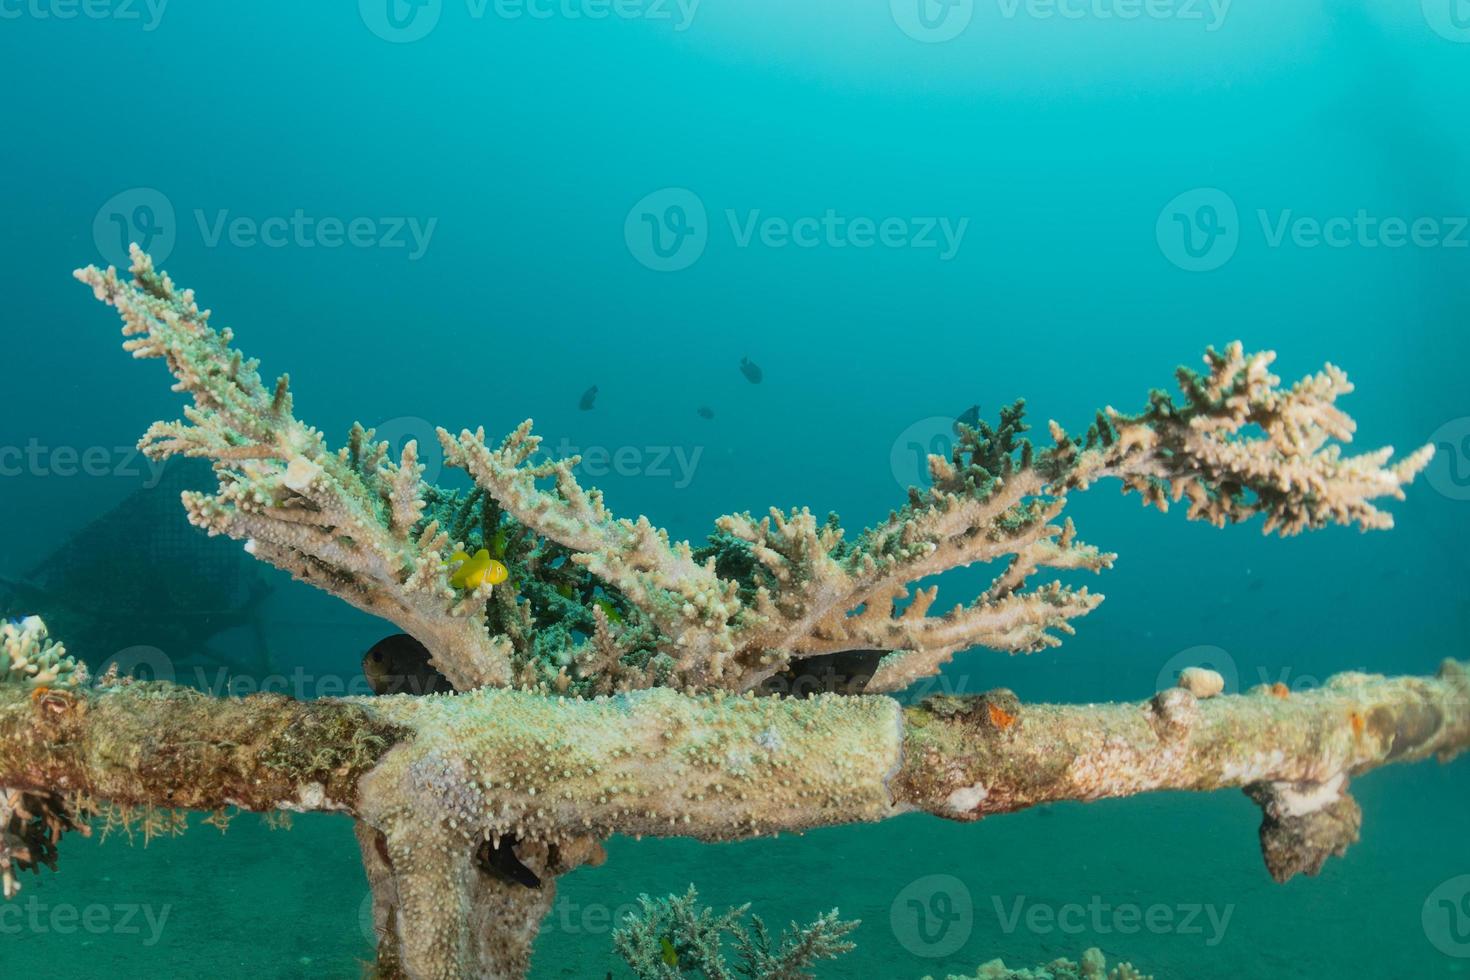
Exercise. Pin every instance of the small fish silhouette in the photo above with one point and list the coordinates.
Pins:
(399, 664)
(751, 370)
(969, 417)
(500, 862)
(705, 412)
(670, 954)
(589, 398)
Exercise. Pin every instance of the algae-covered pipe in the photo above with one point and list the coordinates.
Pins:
(714, 767)
(435, 779)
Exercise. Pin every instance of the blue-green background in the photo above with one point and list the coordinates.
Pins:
(528, 140)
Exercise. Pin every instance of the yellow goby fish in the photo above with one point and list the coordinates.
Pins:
(476, 571)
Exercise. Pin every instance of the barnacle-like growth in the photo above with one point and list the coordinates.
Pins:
(345, 521)
(675, 937)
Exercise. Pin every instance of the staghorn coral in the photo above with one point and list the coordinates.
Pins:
(1207, 451)
(347, 522)
(675, 936)
(468, 806)
(603, 603)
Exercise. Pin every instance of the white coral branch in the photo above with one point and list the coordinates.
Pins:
(341, 521)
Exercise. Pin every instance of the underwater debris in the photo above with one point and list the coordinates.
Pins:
(676, 936)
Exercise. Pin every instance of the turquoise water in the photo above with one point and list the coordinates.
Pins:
(463, 214)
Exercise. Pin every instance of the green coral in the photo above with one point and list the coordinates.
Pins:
(32, 658)
(551, 604)
(675, 937)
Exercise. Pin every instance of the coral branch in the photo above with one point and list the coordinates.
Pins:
(690, 606)
(346, 522)
(1241, 446)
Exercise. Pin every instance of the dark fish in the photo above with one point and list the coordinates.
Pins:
(705, 412)
(589, 398)
(751, 370)
(400, 664)
(969, 417)
(844, 672)
(500, 861)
